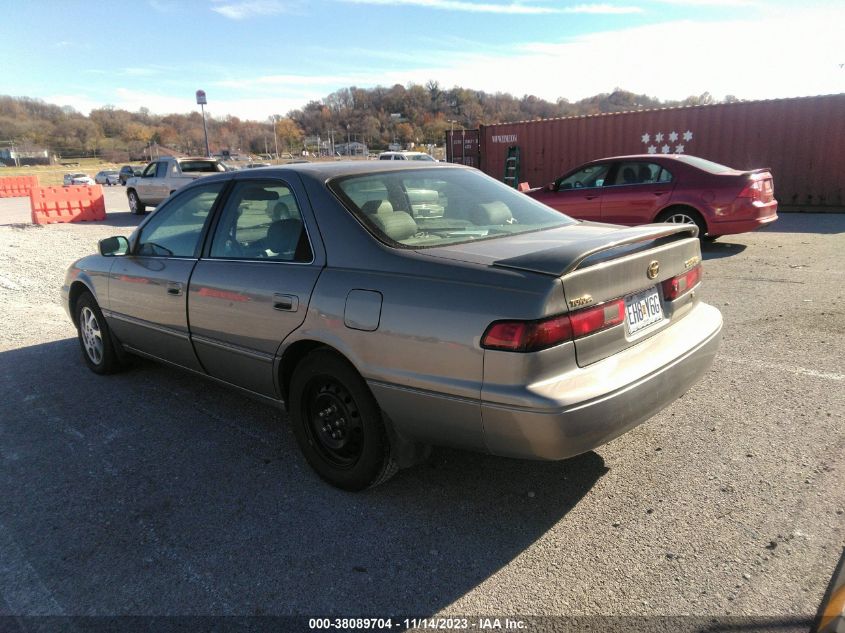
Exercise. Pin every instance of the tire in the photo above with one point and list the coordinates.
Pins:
(95, 337)
(685, 215)
(136, 207)
(338, 423)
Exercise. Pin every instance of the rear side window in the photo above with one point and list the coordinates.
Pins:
(261, 221)
(639, 173)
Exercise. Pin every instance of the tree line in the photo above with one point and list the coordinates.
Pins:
(413, 114)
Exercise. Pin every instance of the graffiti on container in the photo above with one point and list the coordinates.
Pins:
(504, 138)
(662, 142)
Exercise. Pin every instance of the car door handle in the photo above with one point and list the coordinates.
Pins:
(285, 303)
(590, 197)
(174, 288)
(660, 193)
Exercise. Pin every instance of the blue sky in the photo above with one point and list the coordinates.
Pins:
(255, 58)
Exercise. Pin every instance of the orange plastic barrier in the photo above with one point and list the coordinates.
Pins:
(78, 203)
(17, 186)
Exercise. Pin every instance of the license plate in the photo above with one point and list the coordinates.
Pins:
(642, 310)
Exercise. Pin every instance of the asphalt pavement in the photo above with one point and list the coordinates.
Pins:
(155, 492)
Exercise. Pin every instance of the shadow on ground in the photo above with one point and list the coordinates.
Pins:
(820, 223)
(720, 249)
(157, 492)
(120, 219)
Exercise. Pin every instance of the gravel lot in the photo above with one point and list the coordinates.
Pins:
(156, 492)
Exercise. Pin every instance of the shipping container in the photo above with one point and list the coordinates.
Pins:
(802, 140)
(462, 147)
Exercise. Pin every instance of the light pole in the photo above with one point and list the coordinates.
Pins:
(276, 136)
(202, 101)
(347, 139)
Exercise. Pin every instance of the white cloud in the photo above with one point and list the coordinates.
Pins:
(671, 60)
(513, 8)
(250, 8)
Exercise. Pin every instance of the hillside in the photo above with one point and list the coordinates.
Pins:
(375, 116)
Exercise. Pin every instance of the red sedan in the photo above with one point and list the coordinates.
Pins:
(676, 188)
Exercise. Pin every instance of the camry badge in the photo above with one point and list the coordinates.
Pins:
(581, 301)
(653, 269)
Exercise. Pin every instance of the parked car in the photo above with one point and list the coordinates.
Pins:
(386, 324)
(254, 165)
(675, 188)
(129, 171)
(107, 177)
(406, 156)
(77, 178)
(164, 176)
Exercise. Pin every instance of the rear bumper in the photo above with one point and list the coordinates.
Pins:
(761, 215)
(616, 405)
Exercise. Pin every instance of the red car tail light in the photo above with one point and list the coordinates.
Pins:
(753, 190)
(532, 336)
(676, 286)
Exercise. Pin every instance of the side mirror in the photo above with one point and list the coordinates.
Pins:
(116, 246)
(551, 187)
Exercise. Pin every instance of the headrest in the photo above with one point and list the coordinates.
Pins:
(283, 235)
(628, 175)
(487, 213)
(397, 226)
(281, 211)
(372, 207)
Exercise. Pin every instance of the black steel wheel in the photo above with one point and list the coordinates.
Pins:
(338, 424)
(94, 337)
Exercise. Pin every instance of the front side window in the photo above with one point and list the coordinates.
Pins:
(175, 229)
(434, 207)
(161, 170)
(150, 170)
(262, 221)
(590, 176)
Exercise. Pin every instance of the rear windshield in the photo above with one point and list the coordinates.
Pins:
(201, 166)
(423, 208)
(706, 165)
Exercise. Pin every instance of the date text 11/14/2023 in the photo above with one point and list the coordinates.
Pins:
(439, 624)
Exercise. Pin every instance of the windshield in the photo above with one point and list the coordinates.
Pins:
(203, 166)
(422, 208)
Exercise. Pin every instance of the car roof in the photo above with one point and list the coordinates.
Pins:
(349, 168)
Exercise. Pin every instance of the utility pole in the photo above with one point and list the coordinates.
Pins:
(275, 135)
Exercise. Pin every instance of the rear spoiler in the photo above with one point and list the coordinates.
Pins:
(565, 258)
(759, 170)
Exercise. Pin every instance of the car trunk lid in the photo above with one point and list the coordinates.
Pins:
(604, 270)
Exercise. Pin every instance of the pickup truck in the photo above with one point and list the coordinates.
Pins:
(165, 175)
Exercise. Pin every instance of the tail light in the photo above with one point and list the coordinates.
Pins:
(532, 336)
(676, 286)
(760, 189)
(753, 190)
